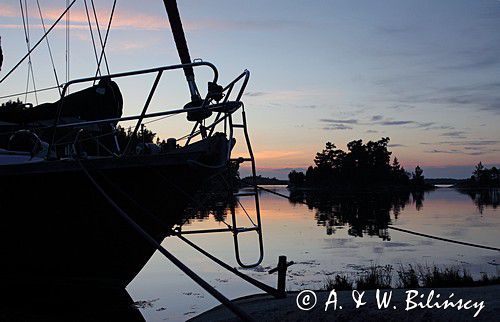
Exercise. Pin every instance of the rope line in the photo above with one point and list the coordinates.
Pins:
(389, 226)
(443, 239)
(147, 237)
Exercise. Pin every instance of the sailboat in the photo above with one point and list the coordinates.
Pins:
(56, 228)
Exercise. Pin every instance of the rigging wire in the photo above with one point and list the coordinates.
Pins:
(67, 42)
(24, 14)
(103, 44)
(37, 43)
(92, 36)
(48, 46)
(30, 92)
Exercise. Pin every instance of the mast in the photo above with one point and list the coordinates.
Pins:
(1, 54)
(181, 44)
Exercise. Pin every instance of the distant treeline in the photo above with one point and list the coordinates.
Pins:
(445, 181)
(260, 180)
(483, 177)
(361, 166)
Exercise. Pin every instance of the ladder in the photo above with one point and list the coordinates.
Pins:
(225, 111)
(257, 226)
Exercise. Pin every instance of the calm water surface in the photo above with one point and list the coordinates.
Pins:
(339, 234)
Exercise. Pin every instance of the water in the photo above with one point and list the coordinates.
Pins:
(339, 234)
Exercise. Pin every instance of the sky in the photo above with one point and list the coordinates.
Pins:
(425, 73)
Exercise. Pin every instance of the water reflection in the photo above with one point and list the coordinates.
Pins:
(301, 233)
(367, 213)
(364, 213)
(483, 198)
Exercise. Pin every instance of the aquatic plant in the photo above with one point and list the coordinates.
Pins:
(339, 283)
(410, 277)
(375, 277)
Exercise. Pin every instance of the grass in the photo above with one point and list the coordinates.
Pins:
(444, 277)
(375, 277)
(339, 283)
(409, 277)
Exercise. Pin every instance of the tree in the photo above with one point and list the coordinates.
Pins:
(396, 167)
(296, 178)
(418, 177)
(483, 176)
(478, 170)
(362, 164)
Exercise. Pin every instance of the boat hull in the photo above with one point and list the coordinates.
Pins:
(57, 229)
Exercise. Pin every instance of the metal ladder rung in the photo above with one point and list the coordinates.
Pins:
(245, 229)
(244, 194)
(239, 125)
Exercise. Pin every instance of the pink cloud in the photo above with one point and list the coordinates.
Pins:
(127, 19)
(8, 10)
(122, 19)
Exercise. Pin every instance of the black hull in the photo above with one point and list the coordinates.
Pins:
(56, 229)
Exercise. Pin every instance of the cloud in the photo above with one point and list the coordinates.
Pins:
(255, 94)
(390, 123)
(338, 124)
(9, 11)
(395, 145)
(425, 124)
(276, 154)
(337, 127)
(130, 45)
(456, 134)
(465, 151)
(129, 19)
(465, 143)
(122, 19)
(479, 142)
(453, 151)
(483, 96)
(379, 120)
(401, 106)
(337, 121)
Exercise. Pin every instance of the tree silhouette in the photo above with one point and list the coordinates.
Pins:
(296, 178)
(418, 177)
(362, 165)
(482, 177)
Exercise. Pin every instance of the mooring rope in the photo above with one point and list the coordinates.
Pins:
(147, 237)
(389, 226)
(443, 239)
